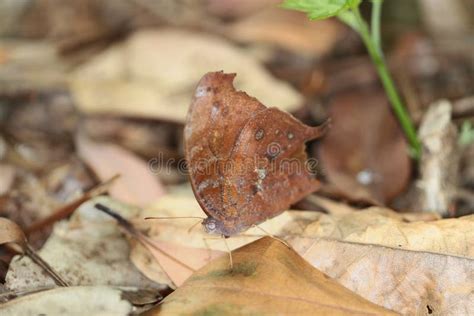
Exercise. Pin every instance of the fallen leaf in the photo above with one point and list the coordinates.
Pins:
(108, 160)
(289, 30)
(174, 263)
(89, 249)
(153, 74)
(30, 65)
(408, 282)
(10, 232)
(89, 300)
(8, 175)
(440, 160)
(235, 8)
(174, 237)
(13, 235)
(378, 233)
(365, 154)
(384, 227)
(267, 278)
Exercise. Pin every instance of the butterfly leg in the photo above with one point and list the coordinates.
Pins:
(209, 249)
(272, 236)
(231, 262)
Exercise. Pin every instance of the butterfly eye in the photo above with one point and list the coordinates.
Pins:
(210, 225)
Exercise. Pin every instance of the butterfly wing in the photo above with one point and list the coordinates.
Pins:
(271, 168)
(247, 162)
(216, 116)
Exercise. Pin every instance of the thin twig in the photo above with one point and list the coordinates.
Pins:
(30, 252)
(139, 236)
(67, 209)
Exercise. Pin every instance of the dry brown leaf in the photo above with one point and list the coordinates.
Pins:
(89, 249)
(153, 75)
(438, 240)
(10, 232)
(409, 282)
(290, 30)
(7, 173)
(236, 8)
(29, 65)
(267, 278)
(372, 163)
(136, 185)
(174, 263)
(174, 238)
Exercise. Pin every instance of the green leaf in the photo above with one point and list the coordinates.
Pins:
(466, 136)
(320, 9)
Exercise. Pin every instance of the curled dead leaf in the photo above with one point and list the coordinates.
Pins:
(10, 232)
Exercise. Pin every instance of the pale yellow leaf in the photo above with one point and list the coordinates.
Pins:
(77, 300)
(409, 282)
(153, 74)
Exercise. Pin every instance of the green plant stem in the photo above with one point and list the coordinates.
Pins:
(372, 43)
(375, 24)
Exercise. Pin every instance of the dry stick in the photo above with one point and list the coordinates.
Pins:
(29, 251)
(67, 209)
(141, 238)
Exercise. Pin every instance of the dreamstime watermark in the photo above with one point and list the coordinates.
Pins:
(269, 161)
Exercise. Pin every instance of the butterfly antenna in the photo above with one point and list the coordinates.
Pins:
(272, 236)
(174, 217)
(192, 227)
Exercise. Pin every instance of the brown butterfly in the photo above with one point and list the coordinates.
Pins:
(247, 162)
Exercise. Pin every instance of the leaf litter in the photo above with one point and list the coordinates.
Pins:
(131, 79)
(411, 263)
(376, 241)
(267, 278)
